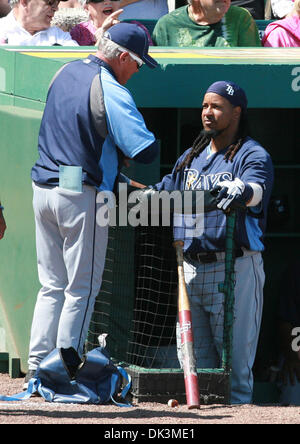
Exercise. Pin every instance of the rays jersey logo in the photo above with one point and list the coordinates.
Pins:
(193, 180)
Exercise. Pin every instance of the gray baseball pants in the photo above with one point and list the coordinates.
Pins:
(207, 307)
(71, 249)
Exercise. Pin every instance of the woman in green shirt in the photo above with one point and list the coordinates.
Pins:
(207, 23)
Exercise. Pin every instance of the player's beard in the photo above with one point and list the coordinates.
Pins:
(212, 133)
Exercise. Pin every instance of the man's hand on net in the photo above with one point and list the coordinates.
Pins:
(229, 191)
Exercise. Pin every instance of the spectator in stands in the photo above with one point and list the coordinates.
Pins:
(284, 32)
(144, 9)
(98, 11)
(255, 7)
(207, 23)
(69, 14)
(281, 8)
(2, 222)
(29, 24)
(4, 8)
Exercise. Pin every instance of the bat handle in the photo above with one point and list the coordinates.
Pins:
(178, 245)
(187, 341)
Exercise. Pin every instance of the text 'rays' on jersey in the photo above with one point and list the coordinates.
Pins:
(194, 180)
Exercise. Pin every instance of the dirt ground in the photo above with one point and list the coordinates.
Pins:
(115, 419)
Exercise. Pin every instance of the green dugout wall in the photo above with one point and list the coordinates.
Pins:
(170, 99)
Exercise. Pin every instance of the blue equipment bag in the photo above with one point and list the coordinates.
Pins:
(63, 377)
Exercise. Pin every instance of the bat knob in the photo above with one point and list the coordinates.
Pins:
(179, 243)
(193, 406)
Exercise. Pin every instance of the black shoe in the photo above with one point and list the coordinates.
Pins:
(30, 374)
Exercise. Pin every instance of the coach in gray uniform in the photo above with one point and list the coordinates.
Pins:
(90, 124)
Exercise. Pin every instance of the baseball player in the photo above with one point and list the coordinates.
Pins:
(225, 158)
(90, 124)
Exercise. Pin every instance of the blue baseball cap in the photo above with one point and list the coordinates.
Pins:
(231, 91)
(133, 38)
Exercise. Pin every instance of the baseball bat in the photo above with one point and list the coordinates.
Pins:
(186, 333)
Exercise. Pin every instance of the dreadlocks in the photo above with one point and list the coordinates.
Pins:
(204, 138)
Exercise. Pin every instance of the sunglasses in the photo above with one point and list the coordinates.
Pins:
(52, 2)
(138, 61)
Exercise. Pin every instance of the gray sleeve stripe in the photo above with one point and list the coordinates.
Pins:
(56, 74)
(97, 107)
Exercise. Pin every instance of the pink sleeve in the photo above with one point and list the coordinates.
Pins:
(83, 34)
(278, 38)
